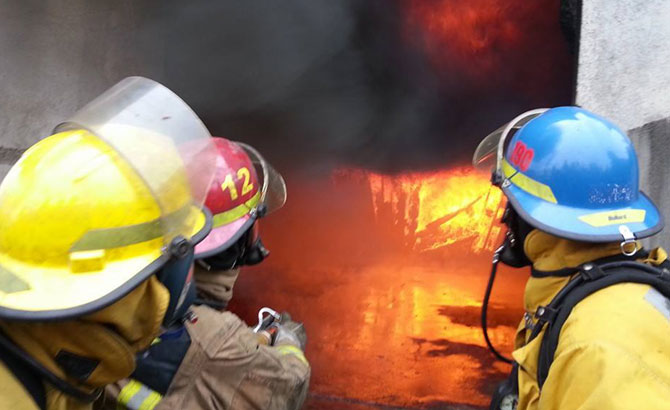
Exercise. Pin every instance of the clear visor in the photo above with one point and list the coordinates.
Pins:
(273, 192)
(490, 151)
(162, 139)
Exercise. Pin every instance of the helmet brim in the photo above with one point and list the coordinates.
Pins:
(40, 292)
(583, 224)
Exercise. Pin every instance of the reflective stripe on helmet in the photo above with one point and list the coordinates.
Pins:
(128, 235)
(526, 183)
(239, 211)
(136, 396)
(618, 216)
(292, 350)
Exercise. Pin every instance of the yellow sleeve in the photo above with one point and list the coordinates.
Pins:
(12, 393)
(602, 375)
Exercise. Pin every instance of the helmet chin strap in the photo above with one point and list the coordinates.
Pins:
(628, 240)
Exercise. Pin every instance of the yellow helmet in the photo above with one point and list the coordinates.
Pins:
(90, 212)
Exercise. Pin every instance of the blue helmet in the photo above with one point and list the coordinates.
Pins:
(571, 173)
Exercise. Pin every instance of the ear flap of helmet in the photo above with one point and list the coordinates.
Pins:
(248, 249)
(177, 277)
(254, 252)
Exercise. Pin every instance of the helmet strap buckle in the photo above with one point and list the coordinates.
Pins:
(261, 210)
(629, 244)
(179, 247)
(497, 178)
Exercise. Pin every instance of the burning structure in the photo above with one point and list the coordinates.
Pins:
(437, 209)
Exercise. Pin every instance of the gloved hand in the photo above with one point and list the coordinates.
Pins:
(290, 332)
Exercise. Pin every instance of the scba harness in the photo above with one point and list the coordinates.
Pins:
(590, 278)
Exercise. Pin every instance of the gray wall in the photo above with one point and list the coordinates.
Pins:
(56, 55)
(624, 74)
(653, 150)
(624, 60)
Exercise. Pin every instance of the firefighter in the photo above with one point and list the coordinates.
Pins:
(218, 361)
(97, 235)
(594, 335)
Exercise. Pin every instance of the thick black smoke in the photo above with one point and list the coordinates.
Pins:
(322, 83)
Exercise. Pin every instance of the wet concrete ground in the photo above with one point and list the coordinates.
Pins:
(392, 334)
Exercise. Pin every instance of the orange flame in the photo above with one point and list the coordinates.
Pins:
(439, 208)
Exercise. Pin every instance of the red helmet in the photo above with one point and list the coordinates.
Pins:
(245, 187)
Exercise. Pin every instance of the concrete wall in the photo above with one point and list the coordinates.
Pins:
(623, 60)
(624, 74)
(56, 55)
(652, 142)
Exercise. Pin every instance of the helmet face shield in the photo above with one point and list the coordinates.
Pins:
(489, 153)
(162, 139)
(486, 154)
(273, 191)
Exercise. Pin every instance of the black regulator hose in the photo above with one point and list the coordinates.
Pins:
(485, 306)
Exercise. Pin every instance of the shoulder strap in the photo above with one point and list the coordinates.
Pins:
(157, 366)
(590, 279)
(9, 349)
(26, 376)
